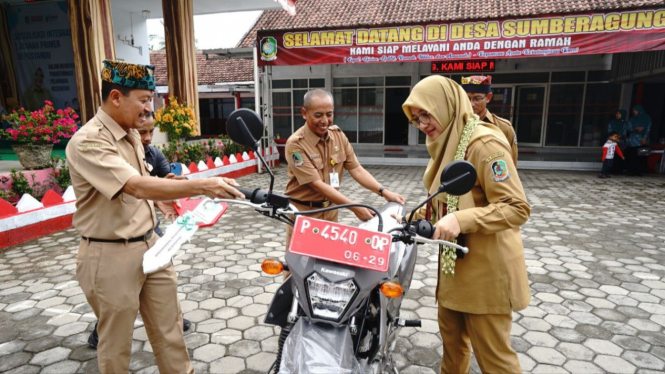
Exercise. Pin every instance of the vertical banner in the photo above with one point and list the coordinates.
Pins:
(43, 56)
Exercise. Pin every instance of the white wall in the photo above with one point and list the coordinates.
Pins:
(123, 27)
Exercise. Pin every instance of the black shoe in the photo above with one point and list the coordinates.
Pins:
(93, 339)
(186, 324)
(601, 176)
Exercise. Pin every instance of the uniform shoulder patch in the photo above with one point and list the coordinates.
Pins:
(493, 156)
(297, 159)
(88, 145)
(500, 171)
(294, 150)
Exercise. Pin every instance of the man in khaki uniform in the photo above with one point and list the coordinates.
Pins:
(115, 217)
(479, 90)
(490, 282)
(317, 154)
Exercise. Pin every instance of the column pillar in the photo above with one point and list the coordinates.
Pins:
(8, 85)
(92, 39)
(181, 52)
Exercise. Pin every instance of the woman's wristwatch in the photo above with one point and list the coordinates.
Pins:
(381, 190)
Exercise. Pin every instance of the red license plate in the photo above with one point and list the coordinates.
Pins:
(342, 244)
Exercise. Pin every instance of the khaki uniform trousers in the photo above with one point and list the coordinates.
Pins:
(111, 276)
(488, 334)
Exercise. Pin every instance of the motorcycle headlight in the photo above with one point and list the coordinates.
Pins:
(329, 300)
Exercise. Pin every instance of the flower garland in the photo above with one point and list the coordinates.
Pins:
(449, 254)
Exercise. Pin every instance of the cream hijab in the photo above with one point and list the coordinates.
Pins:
(449, 104)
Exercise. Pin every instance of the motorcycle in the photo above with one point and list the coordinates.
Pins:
(339, 310)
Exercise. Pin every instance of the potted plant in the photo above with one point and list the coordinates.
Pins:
(36, 132)
(177, 120)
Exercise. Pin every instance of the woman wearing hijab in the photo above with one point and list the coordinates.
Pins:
(639, 128)
(476, 294)
(620, 126)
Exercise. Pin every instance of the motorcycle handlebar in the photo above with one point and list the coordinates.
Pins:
(423, 228)
(257, 196)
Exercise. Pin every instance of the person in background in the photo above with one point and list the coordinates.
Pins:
(160, 165)
(619, 125)
(479, 90)
(639, 128)
(35, 95)
(609, 149)
(161, 169)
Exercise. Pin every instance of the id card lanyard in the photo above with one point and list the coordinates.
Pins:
(334, 177)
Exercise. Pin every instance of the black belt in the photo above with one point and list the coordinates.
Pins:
(132, 240)
(313, 204)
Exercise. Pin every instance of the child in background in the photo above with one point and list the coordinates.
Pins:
(609, 149)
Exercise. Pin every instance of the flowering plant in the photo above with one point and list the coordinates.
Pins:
(200, 151)
(177, 120)
(43, 126)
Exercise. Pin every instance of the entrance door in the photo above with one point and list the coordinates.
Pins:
(396, 124)
(530, 114)
(502, 102)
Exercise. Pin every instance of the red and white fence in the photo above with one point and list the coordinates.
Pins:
(32, 219)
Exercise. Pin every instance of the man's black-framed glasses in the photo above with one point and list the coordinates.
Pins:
(421, 118)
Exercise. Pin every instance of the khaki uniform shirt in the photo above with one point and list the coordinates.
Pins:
(506, 128)
(102, 157)
(310, 158)
(492, 277)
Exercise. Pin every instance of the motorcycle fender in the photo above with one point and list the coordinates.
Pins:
(281, 305)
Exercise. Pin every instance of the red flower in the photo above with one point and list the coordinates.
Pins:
(204, 143)
(48, 102)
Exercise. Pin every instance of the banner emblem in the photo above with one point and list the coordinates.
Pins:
(268, 48)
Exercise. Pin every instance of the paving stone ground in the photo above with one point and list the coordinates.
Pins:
(595, 253)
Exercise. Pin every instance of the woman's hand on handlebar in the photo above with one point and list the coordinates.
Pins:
(447, 228)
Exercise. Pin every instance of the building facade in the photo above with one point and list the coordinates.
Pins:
(559, 92)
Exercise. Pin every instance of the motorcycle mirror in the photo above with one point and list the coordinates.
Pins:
(245, 127)
(458, 178)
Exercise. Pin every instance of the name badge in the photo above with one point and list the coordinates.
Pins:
(334, 180)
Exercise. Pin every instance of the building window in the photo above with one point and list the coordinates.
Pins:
(287, 99)
(564, 115)
(601, 103)
(360, 109)
(248, 102)
(214, 113)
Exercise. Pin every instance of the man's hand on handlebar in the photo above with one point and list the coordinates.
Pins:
(393, 197)
(363, 214)
(223, 188)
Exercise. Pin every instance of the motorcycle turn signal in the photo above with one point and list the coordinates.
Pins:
(272, 267)
(392, 290)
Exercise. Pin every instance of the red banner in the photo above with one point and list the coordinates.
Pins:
(579, 34)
